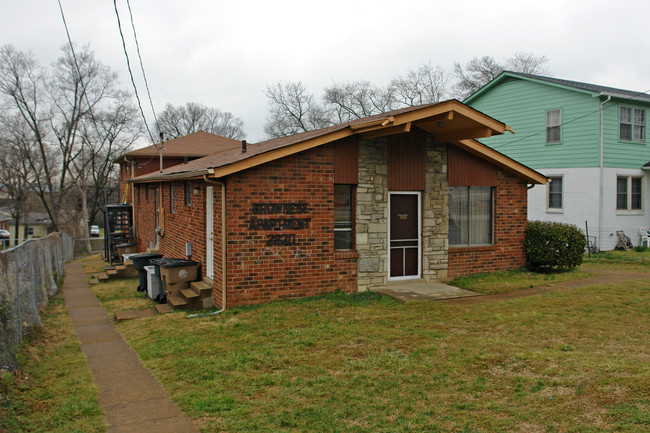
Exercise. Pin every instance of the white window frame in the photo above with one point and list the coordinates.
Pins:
(550, 209)
(637, 128)
(558, 125)
(628, 194)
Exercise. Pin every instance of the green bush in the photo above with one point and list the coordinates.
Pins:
(553, 246)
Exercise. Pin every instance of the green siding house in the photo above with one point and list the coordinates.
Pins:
(589, 140)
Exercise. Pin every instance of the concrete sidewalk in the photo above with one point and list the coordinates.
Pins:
(132, 399)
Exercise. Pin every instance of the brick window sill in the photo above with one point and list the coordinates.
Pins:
(342, 255)
(471, 249)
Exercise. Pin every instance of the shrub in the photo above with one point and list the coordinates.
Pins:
(553, 246)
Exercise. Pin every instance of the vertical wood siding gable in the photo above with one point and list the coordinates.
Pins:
(346, 161)
(465, 169)
(406, 159)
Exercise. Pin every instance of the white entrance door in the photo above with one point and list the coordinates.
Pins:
(209, 232)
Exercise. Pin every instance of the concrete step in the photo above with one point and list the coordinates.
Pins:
(176, 302)
(109, 267)
(201, 287)
(189, 294)
(102, 277)
(164, 308)
(111, 272)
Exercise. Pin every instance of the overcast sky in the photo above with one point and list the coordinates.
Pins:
(224, 53)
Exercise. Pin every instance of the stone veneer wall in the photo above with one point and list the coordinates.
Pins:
(372, 213)
(435, 210)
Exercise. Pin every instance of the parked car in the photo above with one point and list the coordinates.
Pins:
(94, 231)
(4, 234)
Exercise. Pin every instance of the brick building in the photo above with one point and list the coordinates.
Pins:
(407, 194)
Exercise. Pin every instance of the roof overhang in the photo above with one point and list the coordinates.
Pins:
(448, 121)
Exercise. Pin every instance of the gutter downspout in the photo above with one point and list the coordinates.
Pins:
(224, 280)
(602, 165)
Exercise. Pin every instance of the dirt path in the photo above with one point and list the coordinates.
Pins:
(602, 277)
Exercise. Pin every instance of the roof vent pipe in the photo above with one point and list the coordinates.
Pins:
(243, 146)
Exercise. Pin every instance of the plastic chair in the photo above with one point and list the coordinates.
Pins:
(645, 236)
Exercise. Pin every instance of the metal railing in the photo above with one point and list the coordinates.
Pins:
(29, 275)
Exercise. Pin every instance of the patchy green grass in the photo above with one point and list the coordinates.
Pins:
(574, 361)
(54, 391)
(508, 281)
(622, 260)
(121, 294)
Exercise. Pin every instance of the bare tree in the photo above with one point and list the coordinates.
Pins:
(424, 85)
(481, 70)
(476, 73)
(13, 180)
(528, 63)
(357, 99)
(46, 110)
(178, 121)
(292, 110)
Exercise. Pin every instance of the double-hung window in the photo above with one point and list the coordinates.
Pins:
(188, 193)
(632, 124)
(172, 197)
(343, 217)
(555, 192)
(554, 126)
(471, 215)
(629, 193)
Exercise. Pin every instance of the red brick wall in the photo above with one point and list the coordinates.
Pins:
(509, 227)
(186, 224)
(258, 272)
(144, 215)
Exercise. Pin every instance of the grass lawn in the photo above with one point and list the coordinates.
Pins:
(571, 361)
(507, 281)
(625, 260)
(574, 361)
(53, 391)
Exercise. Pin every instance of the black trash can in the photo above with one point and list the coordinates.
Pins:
(139, 262)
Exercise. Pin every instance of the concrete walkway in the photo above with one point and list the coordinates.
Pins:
(132, 399)
(419, 290)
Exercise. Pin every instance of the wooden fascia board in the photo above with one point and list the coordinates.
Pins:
(384, 121)
(447, 107)
(499, 159)
(400, 129)
(282, 152)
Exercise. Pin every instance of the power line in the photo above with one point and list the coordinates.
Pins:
(128, 65)
(81, 81)
(570, 121)
(144, 76)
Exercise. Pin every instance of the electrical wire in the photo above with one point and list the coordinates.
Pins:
(144, 76)
(128, 65)
(81, 81)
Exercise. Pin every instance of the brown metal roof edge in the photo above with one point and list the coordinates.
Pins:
(497, 158)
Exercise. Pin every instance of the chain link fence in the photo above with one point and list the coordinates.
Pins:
(29, 275)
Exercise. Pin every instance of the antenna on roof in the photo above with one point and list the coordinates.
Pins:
(162, 141)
